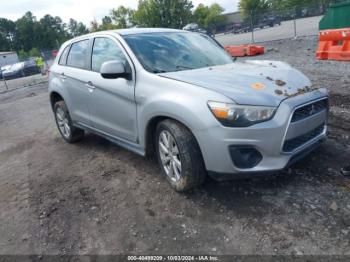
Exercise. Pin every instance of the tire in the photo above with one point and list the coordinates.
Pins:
(68, 131)
(192, 173)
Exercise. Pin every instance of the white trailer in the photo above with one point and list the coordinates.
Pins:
(8, 58)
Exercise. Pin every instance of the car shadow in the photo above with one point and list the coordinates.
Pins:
(249, 195)
(245, 197)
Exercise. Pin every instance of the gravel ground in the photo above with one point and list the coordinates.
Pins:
(97, 198)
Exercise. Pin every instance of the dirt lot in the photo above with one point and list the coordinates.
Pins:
(97, 198)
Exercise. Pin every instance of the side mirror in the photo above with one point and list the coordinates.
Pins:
(115, 69)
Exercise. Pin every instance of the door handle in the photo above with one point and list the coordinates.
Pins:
(63, 76)
(90, 85)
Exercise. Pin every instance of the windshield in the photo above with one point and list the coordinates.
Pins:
(169, 52)
(17, 66)
(5, 67)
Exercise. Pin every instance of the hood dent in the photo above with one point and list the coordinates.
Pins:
(276, 81)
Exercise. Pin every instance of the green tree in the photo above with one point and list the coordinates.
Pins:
(76, 28)
(34, 52)
(7, 34)
(106, 24)
(285, 5)
(209, 16)
(297, 6)
(106, 20)
(50, 32)
(200, 15)
(47, 33)
(163, 13)
(25, 32)
(22, 54)
(94, 26)
(253, 7)
(278, 5)
(123, 17)
(215, 17)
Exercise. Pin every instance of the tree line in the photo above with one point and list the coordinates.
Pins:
(282, 7)
(162, 13)
(27, 35)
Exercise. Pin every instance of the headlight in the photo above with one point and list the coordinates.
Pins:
(240, 116)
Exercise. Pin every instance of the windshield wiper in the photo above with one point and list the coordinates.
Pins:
(183, 67)
(158, 71)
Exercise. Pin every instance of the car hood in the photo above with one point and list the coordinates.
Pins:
(253, 82)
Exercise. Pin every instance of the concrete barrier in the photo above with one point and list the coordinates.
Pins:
(22, 82)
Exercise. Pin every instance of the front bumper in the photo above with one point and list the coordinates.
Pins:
(268, 138)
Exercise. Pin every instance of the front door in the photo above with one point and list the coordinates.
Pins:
(112, 104)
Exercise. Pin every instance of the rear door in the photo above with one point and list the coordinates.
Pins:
(112, 105)
(75, 75)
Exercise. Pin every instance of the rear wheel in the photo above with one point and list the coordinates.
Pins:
(65, 125)
(179, 156)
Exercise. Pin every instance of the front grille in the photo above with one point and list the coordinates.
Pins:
(309, 110)
(292, 144)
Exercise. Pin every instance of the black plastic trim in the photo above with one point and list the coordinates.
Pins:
(254, 174)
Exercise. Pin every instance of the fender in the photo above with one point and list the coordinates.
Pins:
(174, 110)
(56, 87)
(173, 99)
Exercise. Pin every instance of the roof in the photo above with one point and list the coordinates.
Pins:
(125, 32)
(7, 53)
(134, 31)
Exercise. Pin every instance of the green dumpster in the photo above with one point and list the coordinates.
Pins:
(337, 16)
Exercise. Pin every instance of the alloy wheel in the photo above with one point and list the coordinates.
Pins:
(170, 156)
(63, 122)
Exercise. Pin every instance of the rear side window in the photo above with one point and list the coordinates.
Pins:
(104, 50)
(78, 54)
(63, 58)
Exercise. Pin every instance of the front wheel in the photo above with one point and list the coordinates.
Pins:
(65, 125)
(179, 156)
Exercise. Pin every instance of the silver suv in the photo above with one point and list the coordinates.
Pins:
(180, 95)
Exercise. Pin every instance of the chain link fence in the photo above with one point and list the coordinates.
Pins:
(28, 71)
(274, 24)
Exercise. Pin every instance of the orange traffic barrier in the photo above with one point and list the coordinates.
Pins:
(334, 44)
(245, 50)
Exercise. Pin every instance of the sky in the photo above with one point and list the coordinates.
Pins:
(82, 10)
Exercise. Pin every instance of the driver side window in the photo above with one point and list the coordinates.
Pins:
(104, 50)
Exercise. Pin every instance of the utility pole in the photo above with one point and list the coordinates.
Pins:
(295, 22)
(252, 26)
